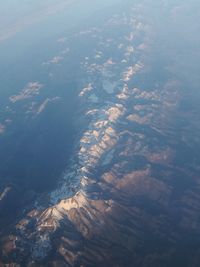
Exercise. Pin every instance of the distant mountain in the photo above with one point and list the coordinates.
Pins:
(101, 148)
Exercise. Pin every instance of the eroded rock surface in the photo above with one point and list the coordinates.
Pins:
(128, 196)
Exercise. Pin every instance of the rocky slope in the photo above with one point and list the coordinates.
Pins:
(130, 195)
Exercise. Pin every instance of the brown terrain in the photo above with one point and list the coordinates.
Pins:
(131, 196)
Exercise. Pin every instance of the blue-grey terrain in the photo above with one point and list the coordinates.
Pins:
(99, 133)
